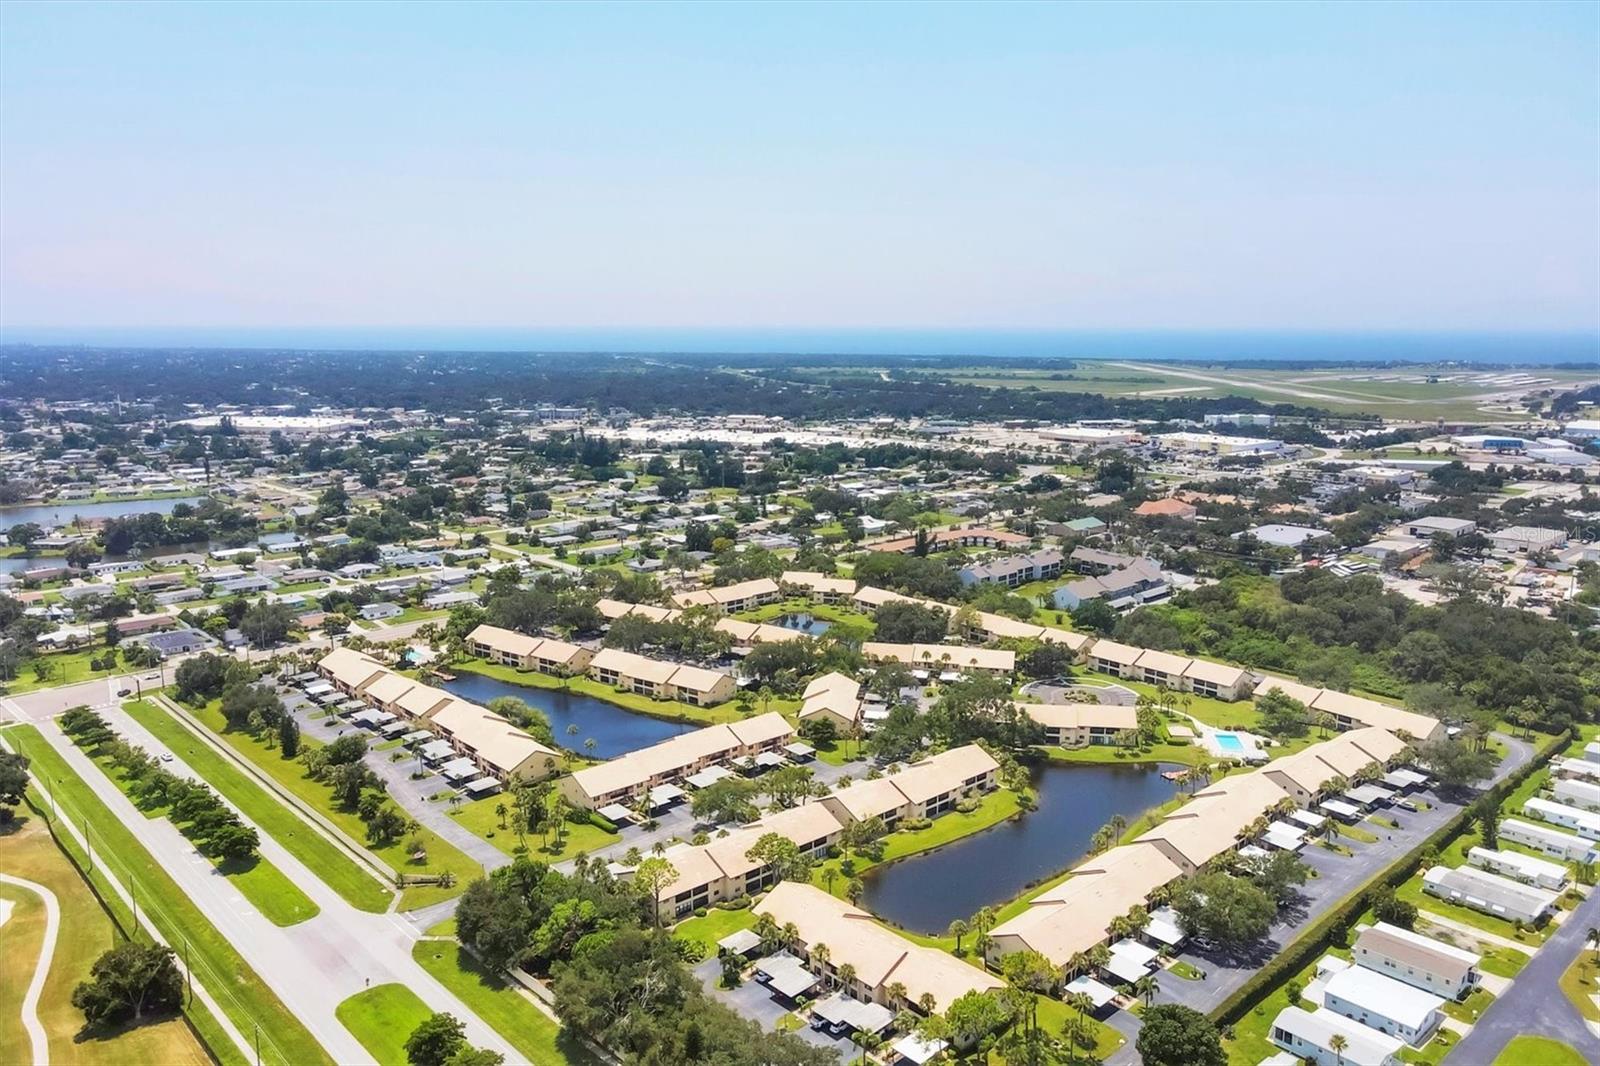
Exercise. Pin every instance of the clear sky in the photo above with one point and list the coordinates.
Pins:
(1265, 166)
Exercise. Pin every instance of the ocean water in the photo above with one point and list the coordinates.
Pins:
(1541, 348)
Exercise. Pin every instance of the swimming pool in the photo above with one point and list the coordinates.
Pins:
(1229, 743)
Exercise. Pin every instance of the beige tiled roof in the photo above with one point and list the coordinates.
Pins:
(880, 957)
(1081, 715)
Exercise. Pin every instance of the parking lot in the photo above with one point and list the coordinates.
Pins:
(752, 1000)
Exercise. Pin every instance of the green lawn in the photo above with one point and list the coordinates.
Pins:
(1538, 1051)
(290, 774)
(1471, 1008)
(1108, 754)
(260, 882)
(62, 668)
(480, 817)
(85, 931)
(270, 891)
(240, 992)
(383, 1018)
(503, 1008)
(1412, 893)
(328, 860)
(717, 924)
(1581, 982)
(1053, 1015)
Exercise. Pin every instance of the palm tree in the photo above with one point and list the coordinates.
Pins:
(766, 928)
(854, 890)
(1077, 964)
(896, 993)
(500, 812)
(830, 874)
(1592, 938)
(1145, 988)
(958, 929)
(820, 954)
(1337, 1044)
(847, 976)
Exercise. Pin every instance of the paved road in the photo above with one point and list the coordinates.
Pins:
(37, 1037)
(1535, 1004)
(1337, 876)
(345, 949)
(411, 795)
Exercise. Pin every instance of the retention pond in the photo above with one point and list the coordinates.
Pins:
(925, 892)
(615, 730)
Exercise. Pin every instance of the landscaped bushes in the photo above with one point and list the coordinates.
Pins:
(1336, 923)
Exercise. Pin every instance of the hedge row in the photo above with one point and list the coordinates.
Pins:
(1320, 934)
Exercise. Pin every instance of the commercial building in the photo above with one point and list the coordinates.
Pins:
(1218, 444)
(1528, 539)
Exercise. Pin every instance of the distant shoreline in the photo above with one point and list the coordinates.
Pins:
(1575, 348)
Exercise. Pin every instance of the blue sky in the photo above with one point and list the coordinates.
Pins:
(1291, 166)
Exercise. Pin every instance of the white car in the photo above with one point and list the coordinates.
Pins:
(166, 756)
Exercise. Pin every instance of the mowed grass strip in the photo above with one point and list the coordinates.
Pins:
(342, 873)
(86, 932)
(382, 1018)
(502, 1008)
(278, 899)
(237, 987)
(442, 857)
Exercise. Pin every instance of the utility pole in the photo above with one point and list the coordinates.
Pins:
(188, 970)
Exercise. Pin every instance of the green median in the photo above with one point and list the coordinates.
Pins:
(238, 990)
(344, 874)
(383, 1018)
(278, 899)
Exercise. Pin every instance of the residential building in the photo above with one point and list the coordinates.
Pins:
(835, 697)
(879, 958)
(675, 758)
(659, 679)
(1167, 508)
(1567, 847)
(744, 596)
(924, 789)
(1381, 1002)
(1077, 725)
(724, 870)
(1489, 893)
(1419, 961)
(823, 588)
(944, 657)
(1520, 867)
(1584, 823)
(1308, 1036)
(1014, 570)
(1574, 792)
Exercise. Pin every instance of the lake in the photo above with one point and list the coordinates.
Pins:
(62, 512)
(926, 892)
(615, 730)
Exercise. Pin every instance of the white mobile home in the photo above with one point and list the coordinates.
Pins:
(1568, 847)
(1419, 961)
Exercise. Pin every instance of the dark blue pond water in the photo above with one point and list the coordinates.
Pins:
(615, 730)
(926, 892)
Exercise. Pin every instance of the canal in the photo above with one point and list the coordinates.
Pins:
(615, 730)
(924, 893)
